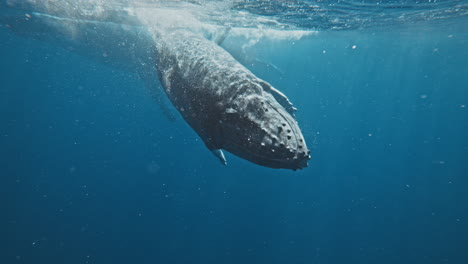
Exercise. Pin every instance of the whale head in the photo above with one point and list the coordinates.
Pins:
(257, 128)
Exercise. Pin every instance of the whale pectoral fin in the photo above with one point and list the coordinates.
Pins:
(280, 98)
(220, 155)
(157, 93)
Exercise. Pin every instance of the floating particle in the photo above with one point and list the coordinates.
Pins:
(354, 47)
(153, 168)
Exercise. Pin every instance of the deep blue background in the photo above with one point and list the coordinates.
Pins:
(92, 172)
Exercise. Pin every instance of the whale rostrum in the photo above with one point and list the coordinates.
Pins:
(226, 104)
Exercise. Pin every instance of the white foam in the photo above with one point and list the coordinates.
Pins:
(210, 18)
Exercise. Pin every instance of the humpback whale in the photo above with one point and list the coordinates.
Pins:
(223, 102)
(226, 104)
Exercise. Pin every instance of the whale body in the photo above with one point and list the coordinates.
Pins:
(226, 104)
(223, 102)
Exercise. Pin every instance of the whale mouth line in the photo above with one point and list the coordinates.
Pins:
(291, 163)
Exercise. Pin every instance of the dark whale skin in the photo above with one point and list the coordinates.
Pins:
(226, 104)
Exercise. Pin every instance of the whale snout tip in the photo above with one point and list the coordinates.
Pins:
(288, 147)
(293, 159)
(302, 161)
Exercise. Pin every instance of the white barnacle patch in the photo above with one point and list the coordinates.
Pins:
(267, 141)
(231, 111)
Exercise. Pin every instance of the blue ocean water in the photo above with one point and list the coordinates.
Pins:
(93, 172)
